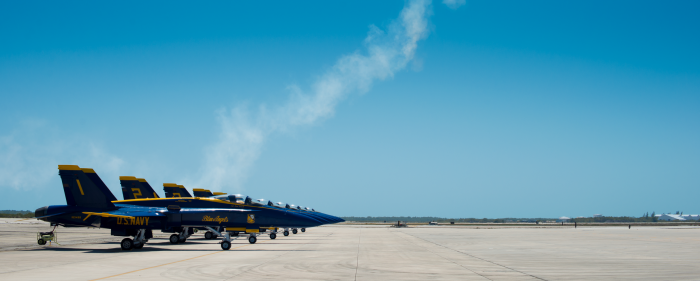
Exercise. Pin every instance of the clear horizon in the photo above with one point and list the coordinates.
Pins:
(455, 109)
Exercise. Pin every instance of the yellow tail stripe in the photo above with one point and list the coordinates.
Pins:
(81, 187)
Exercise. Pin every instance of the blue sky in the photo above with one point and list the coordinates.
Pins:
(502, 109)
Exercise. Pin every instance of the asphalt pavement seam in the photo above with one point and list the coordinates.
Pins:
(357, 261)
(533, 276)
(222, 251)
(268, 261)
(445, 257)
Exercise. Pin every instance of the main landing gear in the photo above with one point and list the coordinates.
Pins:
(181, 237)
(252, 239)
(303, 229)
(136, 243)
(294, 231)
(211, 235)
(273, 235)
(286, 232)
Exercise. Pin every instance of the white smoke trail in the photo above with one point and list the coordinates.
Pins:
(29, 155)
(243, 134)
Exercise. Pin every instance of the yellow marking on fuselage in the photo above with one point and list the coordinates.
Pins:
(133, 221)
(80, 187)
(216, 219)
(106, 215)
(88, 215)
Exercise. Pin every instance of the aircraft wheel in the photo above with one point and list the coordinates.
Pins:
(41, 242)
(303, 230)
(208, 235)
(127, 244)
(286, 233)
(294, 231)
(252, 239)
(174, 239)
(225, 245)
(139, 246)
(273, 235)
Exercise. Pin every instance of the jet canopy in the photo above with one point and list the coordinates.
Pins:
(234, 198)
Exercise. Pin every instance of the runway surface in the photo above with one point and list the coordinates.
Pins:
(352, 252)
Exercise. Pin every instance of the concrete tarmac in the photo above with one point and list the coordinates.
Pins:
(355, 252)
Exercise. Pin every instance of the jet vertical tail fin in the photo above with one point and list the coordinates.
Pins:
(148, 187)
(136, 188)
(198, 192)
(175, 190)
(84, 188)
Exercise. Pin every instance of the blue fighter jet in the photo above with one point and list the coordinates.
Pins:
(90, 203)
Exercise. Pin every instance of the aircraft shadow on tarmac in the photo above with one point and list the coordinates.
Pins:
(159, 247)
(150, 249)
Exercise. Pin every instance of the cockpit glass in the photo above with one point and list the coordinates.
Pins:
(240, 198)
(221, 197)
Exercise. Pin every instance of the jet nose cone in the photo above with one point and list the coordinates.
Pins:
(41, 211)
(305, 221)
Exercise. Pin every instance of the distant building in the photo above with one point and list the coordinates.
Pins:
(564, 219)
(672, 217)
(597, 216)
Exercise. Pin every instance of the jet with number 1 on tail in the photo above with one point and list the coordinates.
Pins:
(90, 203)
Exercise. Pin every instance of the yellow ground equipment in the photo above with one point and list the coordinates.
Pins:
(43, 237)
